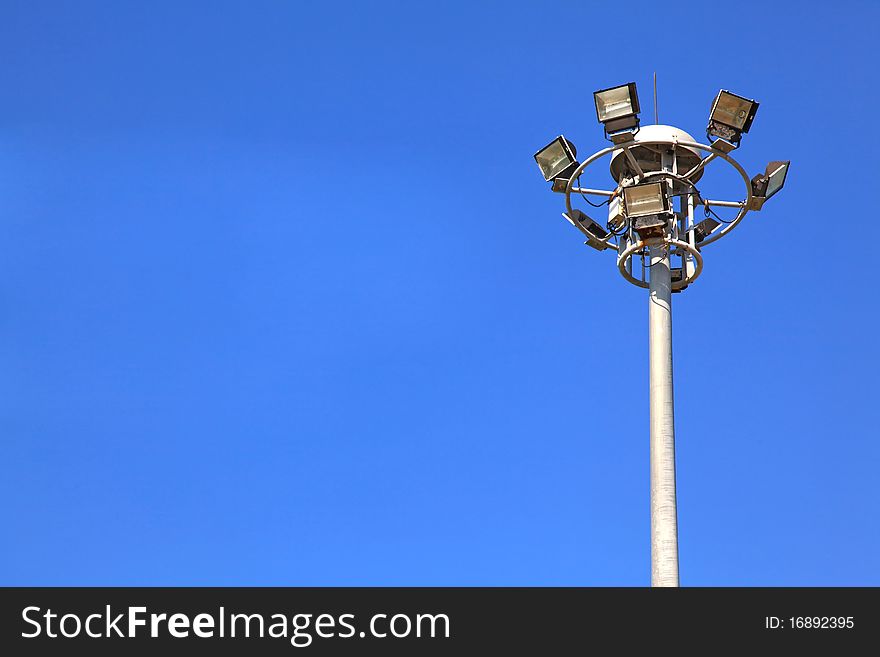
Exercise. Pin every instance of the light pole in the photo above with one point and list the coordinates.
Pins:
(653, 166)
(664, 518)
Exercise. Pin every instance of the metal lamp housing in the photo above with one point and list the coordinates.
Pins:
(731, 116)
(648, 208)
(591, 229)
(734, 111)
(766, 184)
(649, 155)
(556, 158)
(617, 108)
(645, 199)
(775, 175)
(560, 182)
(703, 229)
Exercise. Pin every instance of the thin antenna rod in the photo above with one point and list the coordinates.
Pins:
(656, 112)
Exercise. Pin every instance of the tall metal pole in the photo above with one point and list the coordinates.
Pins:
(664, 518)
(634, 159)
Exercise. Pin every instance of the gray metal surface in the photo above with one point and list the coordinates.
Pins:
(629, 249)
(645, 153)
(664, 518)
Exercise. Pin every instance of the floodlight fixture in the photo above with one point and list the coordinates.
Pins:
(648, 208)
(560, 182)
(591, 229)
(557, 158)
(703, 229)
(617, 108)
(766, 184)
(772, 180)
(647, 198)
(731, 117)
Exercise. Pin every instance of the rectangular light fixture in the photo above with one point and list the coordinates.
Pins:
(703, 229)
(560, 182)
(592, 230)
(775, 174)
(617, 108)
(766, 184)
(731, 116)
(733, 111)
(649, 198)
(557, 157)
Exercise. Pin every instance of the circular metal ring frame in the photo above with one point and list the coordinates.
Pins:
(632, 249)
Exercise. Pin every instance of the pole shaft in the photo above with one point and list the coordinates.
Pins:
(664, 521)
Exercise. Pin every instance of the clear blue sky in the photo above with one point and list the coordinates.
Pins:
(285, 301)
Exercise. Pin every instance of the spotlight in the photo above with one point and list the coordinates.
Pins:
(557, 158)
(561, 182)
(648, 198)
(647, 206)
(766, 184)
(617, 108)
(592, 230)
(731, 117)
(703, 229)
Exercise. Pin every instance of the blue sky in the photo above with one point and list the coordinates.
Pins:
(285, 301)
